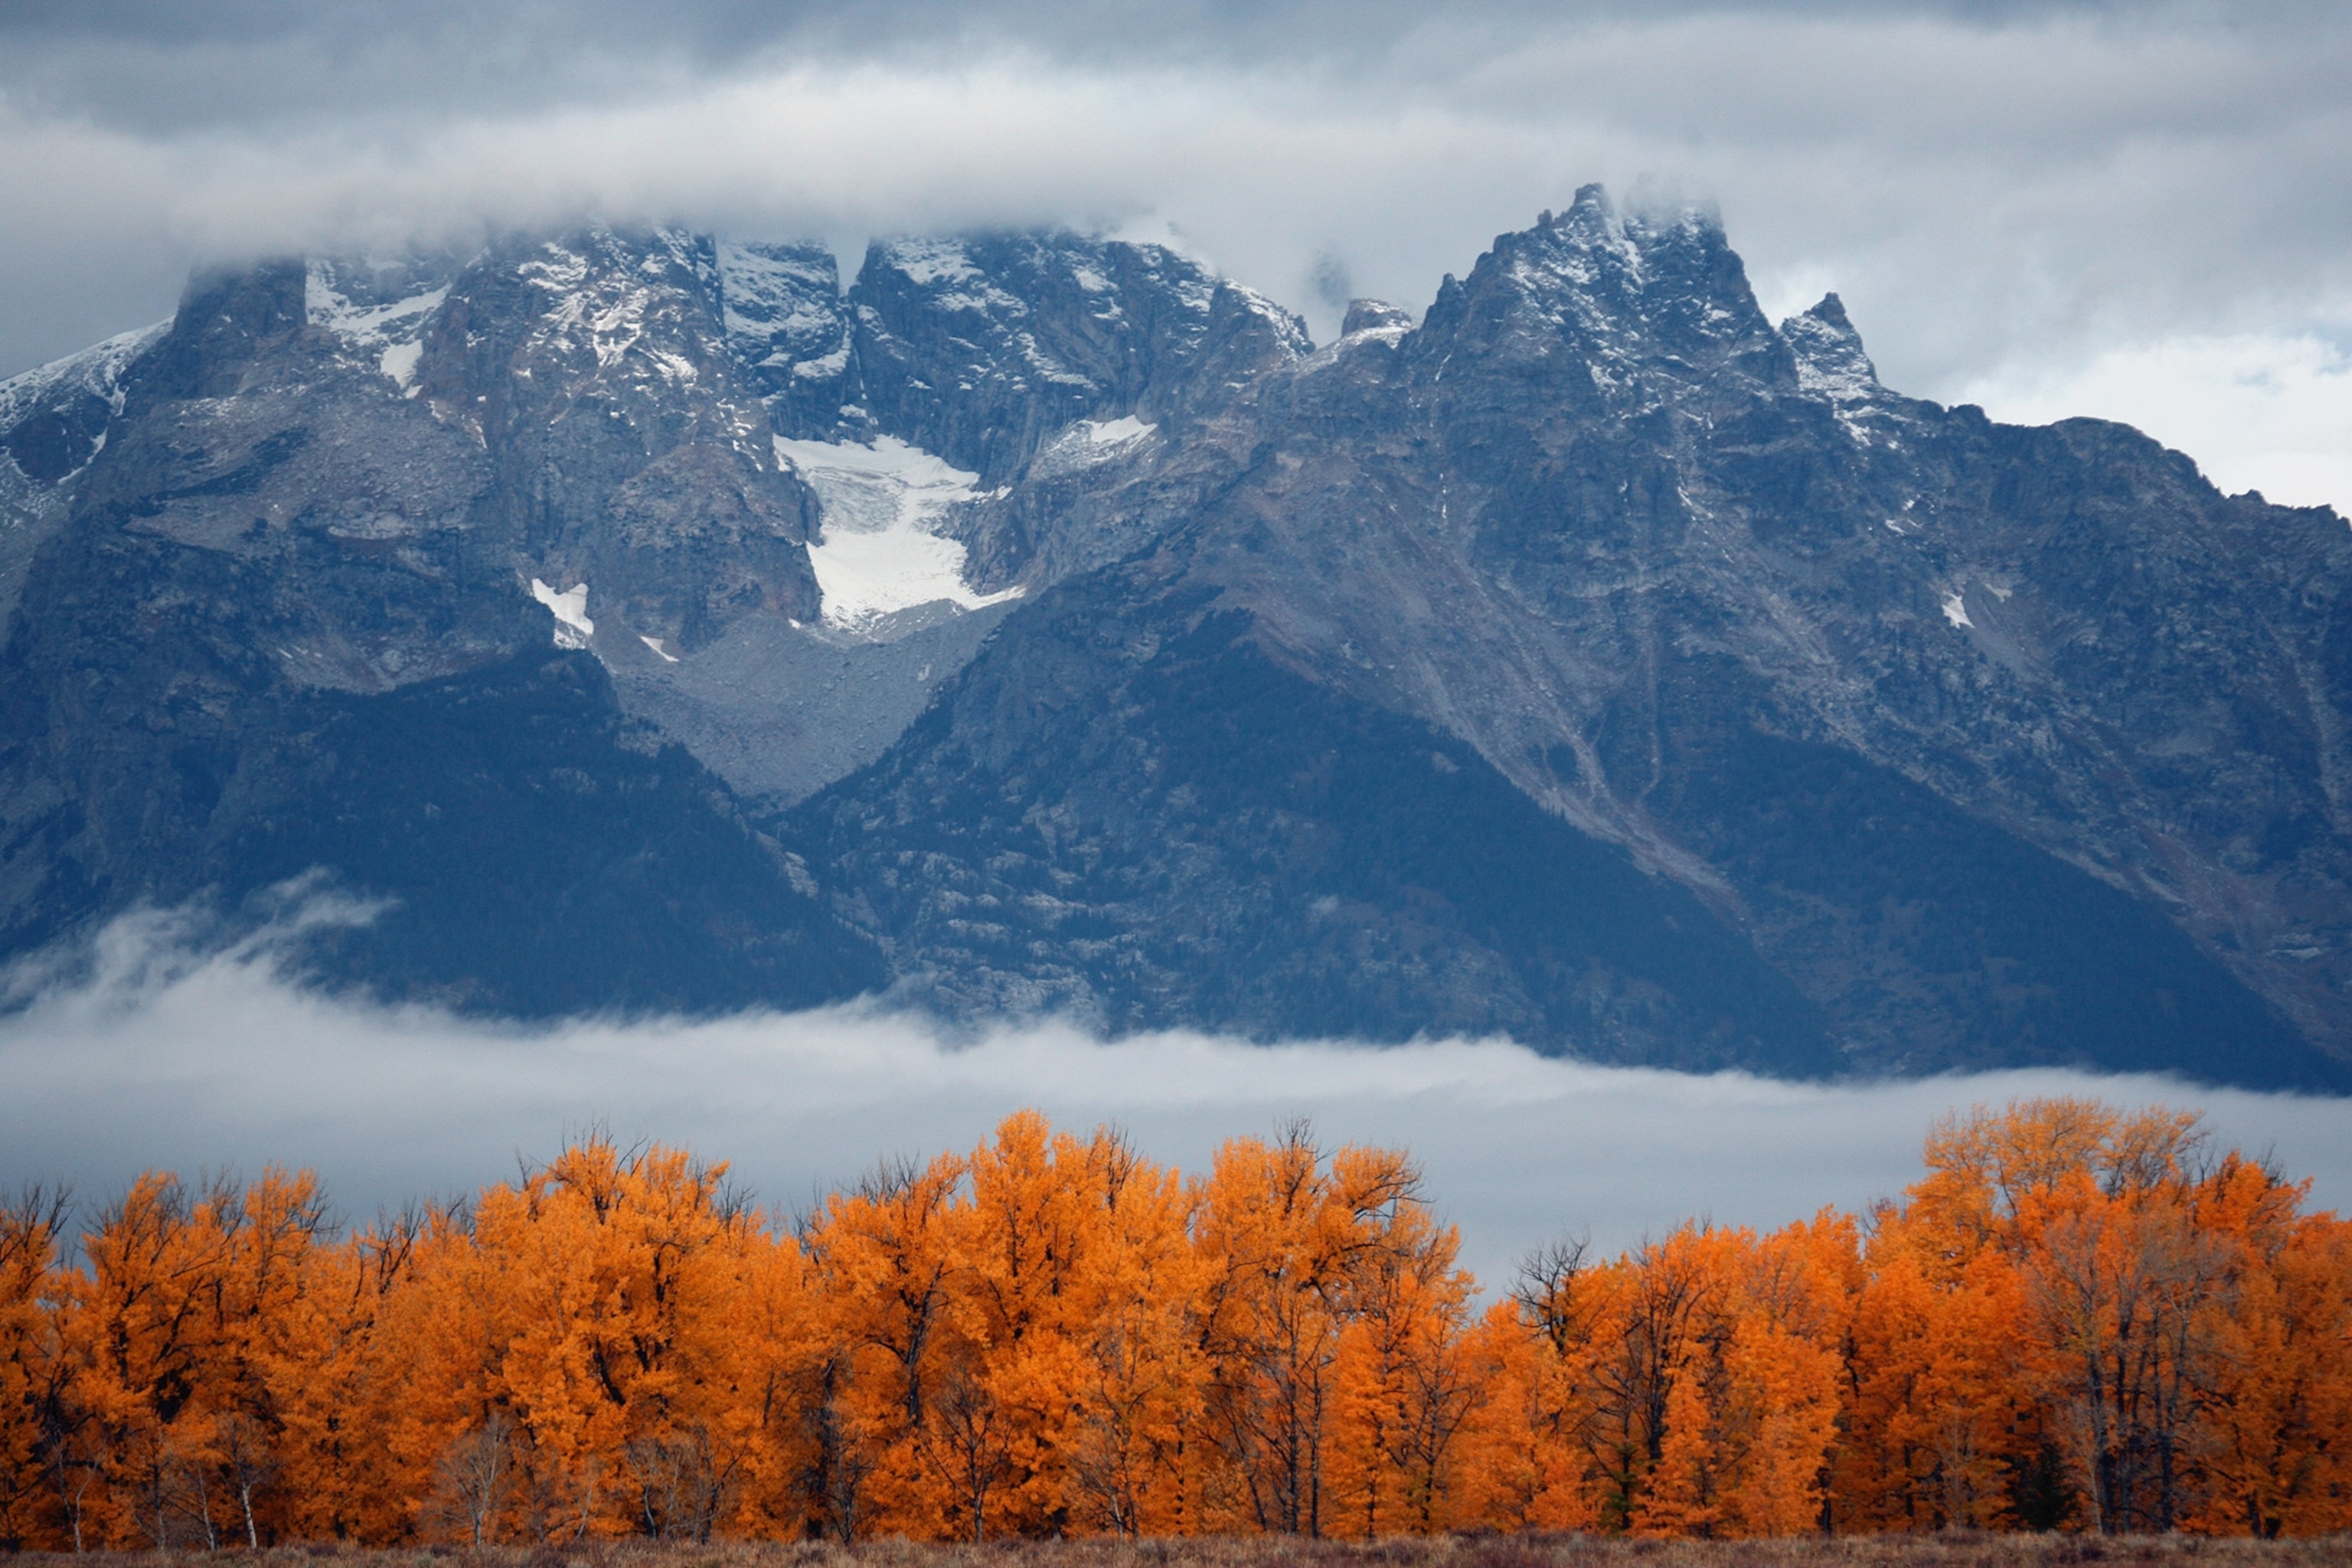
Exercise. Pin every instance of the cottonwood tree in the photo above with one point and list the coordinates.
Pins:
(475, 1479)
(33, 1374)
(2074, 1315)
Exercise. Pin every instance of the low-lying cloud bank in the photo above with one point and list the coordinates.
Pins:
(160, 1057)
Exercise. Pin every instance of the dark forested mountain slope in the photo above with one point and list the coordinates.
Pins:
(1593, 661)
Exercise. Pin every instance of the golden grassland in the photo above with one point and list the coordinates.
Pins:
(1953, 1549)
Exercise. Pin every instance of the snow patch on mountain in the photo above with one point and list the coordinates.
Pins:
(1288, 329)
(399, 362)
(825, 367)
(1114, 432)
(1090, 443)
(878, 552)
(391, 331)
(929, 261)
(573, 626)
(601, 303)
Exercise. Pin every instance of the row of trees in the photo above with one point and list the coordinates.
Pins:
(2077, 1318)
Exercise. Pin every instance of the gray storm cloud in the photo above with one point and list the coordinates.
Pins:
(2008, 196)
(156, 1056)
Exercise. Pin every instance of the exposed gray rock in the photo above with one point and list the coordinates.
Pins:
(1599, 518)
(1591, 660)
(780, 710)
(337, 482)
(986, 348)
(53, 423)
(787, 322)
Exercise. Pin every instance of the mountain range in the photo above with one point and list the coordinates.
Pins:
(1042, 624)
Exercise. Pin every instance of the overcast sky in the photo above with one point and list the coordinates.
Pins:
(2137, 210)
(159, 1060)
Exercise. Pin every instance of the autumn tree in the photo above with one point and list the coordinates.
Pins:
(880, 1255)
(2273, 1390)
(1290, 1236)
(1646, 1308)
(171, 1339)
(1938, 1411)
(625, 1282)
(32, 1371)
(2077, 1316)
(1527, 1450)
(1405, 1380)
(1136, 1445)
(1752, 1382)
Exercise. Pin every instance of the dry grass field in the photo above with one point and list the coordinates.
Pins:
(1952, 1551)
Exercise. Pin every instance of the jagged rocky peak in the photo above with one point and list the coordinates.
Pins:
(1637, 258)
(1832, 366)
(1831, 359)
(984, 348)
(636, 452)
(598, 305)
(55, 421)
(228, 322)
(560, 417)
(1645, 306)
(785, 298)
(1374, 316)
(787, 321)
(1655, 642)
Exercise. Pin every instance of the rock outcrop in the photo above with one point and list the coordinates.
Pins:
(1042, 622)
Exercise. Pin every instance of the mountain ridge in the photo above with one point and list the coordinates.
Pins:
(1845, 670)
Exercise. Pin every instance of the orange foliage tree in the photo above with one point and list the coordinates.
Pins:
(2078, 1318)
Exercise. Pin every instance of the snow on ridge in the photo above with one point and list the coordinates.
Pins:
(956, 282)
(393, 333)
(1593, 232)
(877, 553)
(362, 323)
(763, 296)
(561, 270)
(1841, 384)
(97, 370)
(1285, 325)
(928, 261)
(1955, 610)
(1832, 365)
(573, 626)
(756, 265)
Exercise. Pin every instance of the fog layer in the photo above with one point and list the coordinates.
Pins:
(157, 1057)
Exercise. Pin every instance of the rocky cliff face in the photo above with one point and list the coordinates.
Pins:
(1043, 621)
(333, 506)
